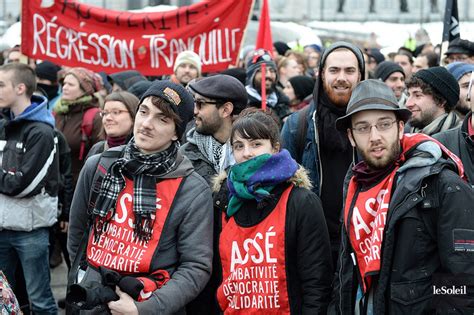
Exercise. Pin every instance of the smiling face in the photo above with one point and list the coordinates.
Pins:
(423, 107)
(116, 119)
(378, 149)
(153, 131)
(340, 75)
(270, 79)
(396, 81)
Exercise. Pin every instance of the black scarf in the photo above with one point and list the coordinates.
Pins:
(144, 170)
(51, 91)
(329, 137)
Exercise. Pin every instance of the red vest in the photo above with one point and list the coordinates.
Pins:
(366, 224)
(253, 265)
(116, 248)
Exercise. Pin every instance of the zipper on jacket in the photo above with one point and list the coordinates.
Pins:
(316, 138)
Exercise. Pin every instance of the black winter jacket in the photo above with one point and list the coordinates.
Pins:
(429, 209)
(308, 254)
(457, 140)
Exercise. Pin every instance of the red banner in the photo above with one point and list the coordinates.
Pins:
(75, 34)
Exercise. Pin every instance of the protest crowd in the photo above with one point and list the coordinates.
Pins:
(318, 179)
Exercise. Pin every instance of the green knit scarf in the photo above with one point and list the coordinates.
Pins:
(63, 106)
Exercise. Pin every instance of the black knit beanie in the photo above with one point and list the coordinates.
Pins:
(47, 70)
(281, 47)
(442, 82)
(302, 85)
(386, 68)
(180, 100)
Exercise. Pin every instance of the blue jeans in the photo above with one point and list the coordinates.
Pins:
(31, 248)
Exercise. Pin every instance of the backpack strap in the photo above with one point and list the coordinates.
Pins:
(105, 161)
(301, 134)
(87, 125)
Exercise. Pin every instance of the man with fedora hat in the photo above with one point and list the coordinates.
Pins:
(432, 95)
(407, 213)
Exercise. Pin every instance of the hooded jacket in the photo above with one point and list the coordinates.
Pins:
(430, 210)
(30, 169)
(300, 136)
(308, 264)
(185, 247)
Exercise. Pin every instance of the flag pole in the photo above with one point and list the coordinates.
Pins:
(263, 87)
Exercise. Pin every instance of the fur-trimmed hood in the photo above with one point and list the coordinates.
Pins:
(300, 179)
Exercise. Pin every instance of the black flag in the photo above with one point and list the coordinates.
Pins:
(451, 21)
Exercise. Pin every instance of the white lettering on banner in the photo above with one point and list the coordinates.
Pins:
(253, 286)
(376, 207)
(104, 50)
(117, 247)
(110, 52)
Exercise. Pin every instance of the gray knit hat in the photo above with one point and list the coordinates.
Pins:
(371, 95)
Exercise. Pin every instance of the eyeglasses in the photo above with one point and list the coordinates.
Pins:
(365, 129)
(199, 103)
(112, 113)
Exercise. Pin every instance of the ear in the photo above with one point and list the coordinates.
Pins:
(401, 129)
(276, 147)
(351, 138)
(227, 109)
(20, 89)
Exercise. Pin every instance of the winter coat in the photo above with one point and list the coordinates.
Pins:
(307, 248)
(70, 125)
(459, 142)
(185, 247)
(29, 169)
(430, 208)
(282, 107)
(201, 164)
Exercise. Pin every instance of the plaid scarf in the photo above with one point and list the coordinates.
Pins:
(144, 170)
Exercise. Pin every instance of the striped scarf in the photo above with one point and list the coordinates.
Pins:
(144, 170)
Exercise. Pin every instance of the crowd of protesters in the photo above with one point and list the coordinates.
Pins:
(352, 193)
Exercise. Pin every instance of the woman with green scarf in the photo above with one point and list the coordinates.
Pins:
(274, 247)
(78, 88)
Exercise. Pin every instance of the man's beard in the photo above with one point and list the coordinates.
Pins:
(462, 108)
(268, 91)
(426, 118)
(393, 152)
(208, 128)
(340, 100)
